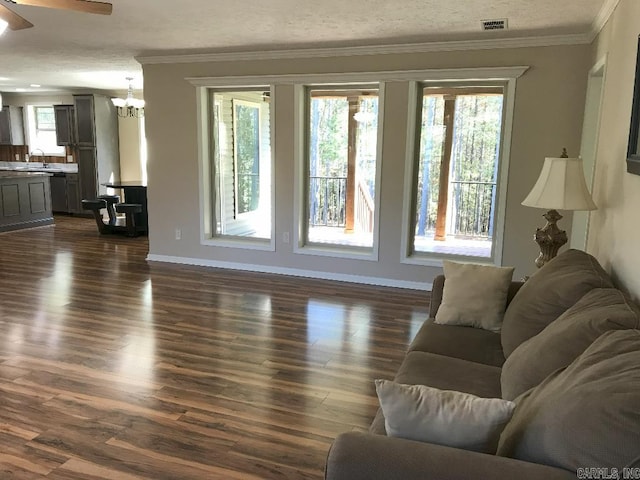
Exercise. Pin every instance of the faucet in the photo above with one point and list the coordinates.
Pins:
(44, 164)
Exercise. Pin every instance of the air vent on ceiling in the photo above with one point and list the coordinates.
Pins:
(495, 24)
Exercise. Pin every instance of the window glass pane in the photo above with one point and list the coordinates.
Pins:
(247, 148)
(342, 149)
(45, 118)
(457, 173)
(242, 163)
(41, 128)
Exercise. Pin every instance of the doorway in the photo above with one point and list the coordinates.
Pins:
(589, 148)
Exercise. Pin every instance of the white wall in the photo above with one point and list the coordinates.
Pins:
(130, 164)
(548, 116)
(614, 233)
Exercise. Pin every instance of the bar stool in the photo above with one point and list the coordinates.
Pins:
(111, 201)
(130, 210)
(95, 206)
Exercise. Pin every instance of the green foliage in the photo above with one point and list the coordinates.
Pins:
(476, 141)
(331, 131)
(328, 154)
(247, 143)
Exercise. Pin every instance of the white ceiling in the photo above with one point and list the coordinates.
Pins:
(67, 50)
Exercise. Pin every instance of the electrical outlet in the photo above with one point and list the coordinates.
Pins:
(178, 234)
(285, 237)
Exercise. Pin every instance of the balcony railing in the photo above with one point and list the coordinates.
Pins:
(364, 208)
(327, 201)
(470, 210)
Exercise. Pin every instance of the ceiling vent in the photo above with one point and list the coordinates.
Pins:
(495, 24)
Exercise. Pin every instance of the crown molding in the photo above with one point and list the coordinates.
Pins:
(395, 49)
(602, 18)
(448, 74)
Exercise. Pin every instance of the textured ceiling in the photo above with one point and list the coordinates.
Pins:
(75, 50)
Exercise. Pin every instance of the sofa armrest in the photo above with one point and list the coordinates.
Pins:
(436, 295)
(365, 456)
(438, 288)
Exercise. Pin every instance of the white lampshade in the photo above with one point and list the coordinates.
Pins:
(3, 26)
(561, 186)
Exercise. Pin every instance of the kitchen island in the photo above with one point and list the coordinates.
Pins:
(25, 200)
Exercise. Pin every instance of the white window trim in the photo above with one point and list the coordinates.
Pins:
(435, 259)
(509, 74)
(300, 234)
(205, 171)
(29, 124)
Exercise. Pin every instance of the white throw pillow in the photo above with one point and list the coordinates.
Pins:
(443, 417)
(474, 295)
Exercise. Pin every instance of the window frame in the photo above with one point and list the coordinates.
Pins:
(408, 254)
(31, 124)
(35, 111)
(301, 244)
(202, 84)
(207, 171)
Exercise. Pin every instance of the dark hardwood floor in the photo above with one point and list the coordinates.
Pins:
(115, 368)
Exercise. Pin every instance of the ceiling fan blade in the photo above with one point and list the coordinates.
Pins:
(15, 21)
(87, 6)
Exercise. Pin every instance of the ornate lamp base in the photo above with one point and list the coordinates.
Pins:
(550, 238)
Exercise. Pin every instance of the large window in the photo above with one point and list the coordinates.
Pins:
(42, 130)
(456, 177)
(241, 163)
(341, 163)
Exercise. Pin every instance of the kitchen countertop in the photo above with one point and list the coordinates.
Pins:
(39, 167)
(22, 174)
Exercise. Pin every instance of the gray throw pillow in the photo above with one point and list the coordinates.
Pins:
(587, 415)
(443, 417)
(600, 310)
(548, 293)
(474, 295)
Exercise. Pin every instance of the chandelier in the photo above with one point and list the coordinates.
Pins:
(129, 107)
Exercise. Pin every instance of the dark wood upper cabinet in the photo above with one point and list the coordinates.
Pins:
(65, 124)
(85, 120)
(11, 126)
(96, 143)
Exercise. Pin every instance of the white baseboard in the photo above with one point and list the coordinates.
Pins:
(340, 277)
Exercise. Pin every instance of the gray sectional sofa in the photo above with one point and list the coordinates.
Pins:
(568, 355)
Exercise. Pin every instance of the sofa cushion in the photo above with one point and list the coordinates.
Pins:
(474, 295)
(443, 417)
(466, 343)
(448, 373)
(445, 373)
(599, 311)
(585, 415)
(549, 292)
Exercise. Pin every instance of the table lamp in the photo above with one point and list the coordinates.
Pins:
(561, 186)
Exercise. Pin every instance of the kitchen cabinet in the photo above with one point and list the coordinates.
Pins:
(86, 119)
(11, 125)
(25, 200)
(89, 128)
(59, 193)
(65, 125)
(74, 203)
(65, 193)
(87, 172)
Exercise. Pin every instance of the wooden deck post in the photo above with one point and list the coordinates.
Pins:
(445, 166)
(354, 107)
